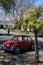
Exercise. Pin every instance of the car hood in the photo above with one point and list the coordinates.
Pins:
(11, 41)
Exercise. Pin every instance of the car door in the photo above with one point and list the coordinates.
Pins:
(29, 43)
(21, 43)
(24, 42)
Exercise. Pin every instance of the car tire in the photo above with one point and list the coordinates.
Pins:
(33, 48)
(17, 50)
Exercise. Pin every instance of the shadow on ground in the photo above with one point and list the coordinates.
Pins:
(24, 58)
(8, 58)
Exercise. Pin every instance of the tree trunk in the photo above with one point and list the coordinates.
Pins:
(36, 47)
(8, 30)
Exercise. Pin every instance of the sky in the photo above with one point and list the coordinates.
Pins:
(38, 2)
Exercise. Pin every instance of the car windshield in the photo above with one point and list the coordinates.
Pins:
(14, 38)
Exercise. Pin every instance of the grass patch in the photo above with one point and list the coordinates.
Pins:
(22, 32)
(19, 32)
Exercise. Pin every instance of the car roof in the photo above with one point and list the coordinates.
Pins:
(22, 36)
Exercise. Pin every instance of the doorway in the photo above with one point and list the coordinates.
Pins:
(1, 26)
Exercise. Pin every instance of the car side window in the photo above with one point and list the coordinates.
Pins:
(20, 38)
(24, 38)
(29, 39)
(15, 38)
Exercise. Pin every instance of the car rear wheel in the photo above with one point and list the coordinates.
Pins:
(17, 50)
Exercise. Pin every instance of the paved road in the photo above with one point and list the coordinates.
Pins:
(2, 31)
(25, 58)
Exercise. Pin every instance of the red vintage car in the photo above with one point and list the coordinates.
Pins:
(18, 43)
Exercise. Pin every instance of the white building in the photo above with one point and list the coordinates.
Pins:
(6, 19)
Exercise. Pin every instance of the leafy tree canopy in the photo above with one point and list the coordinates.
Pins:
(32, 18)
(7, 4)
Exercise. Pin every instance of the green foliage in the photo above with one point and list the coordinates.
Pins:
(32, 18)
(7, 4)
(41, 30)
(10, 4)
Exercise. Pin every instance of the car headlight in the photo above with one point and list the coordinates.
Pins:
(11, 46)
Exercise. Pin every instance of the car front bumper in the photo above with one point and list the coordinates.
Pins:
(7, 48)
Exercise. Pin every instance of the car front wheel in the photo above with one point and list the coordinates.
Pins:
(17, 50)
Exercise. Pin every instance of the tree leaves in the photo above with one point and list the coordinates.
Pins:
(7, 4)
(32, 18)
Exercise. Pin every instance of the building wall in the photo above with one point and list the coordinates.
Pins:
(3, 25)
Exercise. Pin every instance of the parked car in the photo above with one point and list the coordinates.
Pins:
(18, 43)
